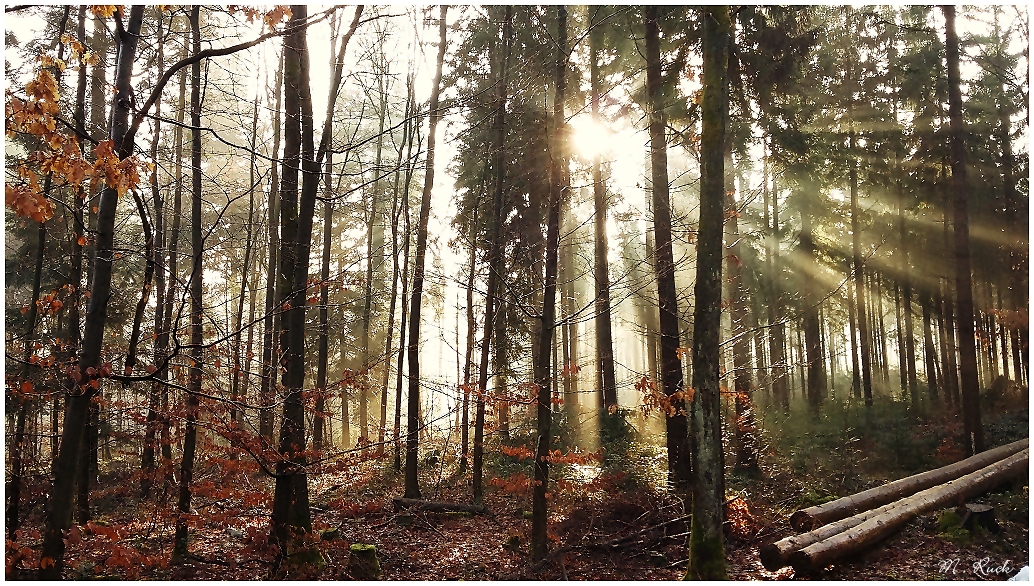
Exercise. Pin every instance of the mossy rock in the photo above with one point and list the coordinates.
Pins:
(362, 562)
(513, 541)
(527, 514)
(330, 534)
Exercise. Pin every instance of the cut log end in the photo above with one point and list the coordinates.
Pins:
(771, 557)
(802, 521)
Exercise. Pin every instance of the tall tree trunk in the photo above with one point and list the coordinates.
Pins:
(179, 550)
(469, 349)
(604, 335)
(396, 209)
(777, 340)
(951, 360)
(939, 303)
(706, 542)
(495, 260)
(929, 360)
(856, 375)
(412, 489)
(963, 289)
(238, 366)
(745, 432)
(374, 264)
(816, 392)
(1004, 335)
(882, 329)
(291, 519)
(161, 335)
(906, 294)
(859, 275)
(671, 367)
(543, 371)
(413, 124)
(74, 336)
(77, 405)
(323, 348)
(271, 322)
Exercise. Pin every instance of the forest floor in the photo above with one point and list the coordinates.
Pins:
(603, 526)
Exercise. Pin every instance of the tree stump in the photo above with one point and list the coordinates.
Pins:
(974, 515)
(362, 562)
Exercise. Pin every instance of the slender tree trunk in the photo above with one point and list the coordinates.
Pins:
(882, 326)
(671, 366)
(374, 264)
(323, 348)
(951, 360)
(396, 209)
(495, 260)
(706, 542)
(291, 519)
(777, 339)
(963, 288)
(412, 489)
(238, 366)
(604, 335)
(1004, 335)
(414, 128)
(856, 378)
(24, 396)
(74, 335)
(930, 353)
(271, 323)
(147, 461)
(469, 349)
(816, 377)
(179, 550)
(859, 275)
(77, 405)
(543, 370)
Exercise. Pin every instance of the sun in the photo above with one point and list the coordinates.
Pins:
(588, 137)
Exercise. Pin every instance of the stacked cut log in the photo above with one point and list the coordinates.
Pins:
(852, 523)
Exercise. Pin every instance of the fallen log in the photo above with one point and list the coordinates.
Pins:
(873, 529)
(776, 555)
(439, 507)
(813, 517)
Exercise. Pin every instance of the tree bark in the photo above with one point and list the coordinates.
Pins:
(604, 335)
(495, 260)
(859, 268)
(161, 285)
(414, 129)
(816, 387)
(412, 488)
(271, 322)
(777, 340)
(706, 542)
(179, 550)
(969, 384)
(543, 370)
(77, 405)
(671, 366)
